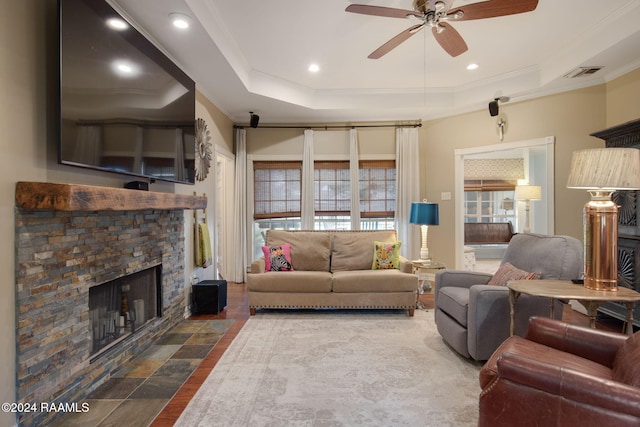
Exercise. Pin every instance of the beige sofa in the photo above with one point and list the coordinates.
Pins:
(332, 269)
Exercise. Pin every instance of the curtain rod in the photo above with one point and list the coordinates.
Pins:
(326, 127)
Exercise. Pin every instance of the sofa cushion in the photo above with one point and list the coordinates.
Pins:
(310, 250)
(626, 365)
(455, 302)
(386, 255)
(277, 258)
(353, 250)
(290, 281)
(374, 281)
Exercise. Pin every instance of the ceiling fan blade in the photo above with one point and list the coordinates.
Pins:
(381, 11)
(394, 42)
(450, 40)
(493, 8)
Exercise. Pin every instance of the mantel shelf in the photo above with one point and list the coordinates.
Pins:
(75, 197)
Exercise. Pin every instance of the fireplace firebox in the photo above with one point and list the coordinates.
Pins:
(119, 307)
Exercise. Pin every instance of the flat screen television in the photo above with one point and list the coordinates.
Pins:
(124, 106)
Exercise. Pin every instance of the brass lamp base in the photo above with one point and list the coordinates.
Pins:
(601, 242)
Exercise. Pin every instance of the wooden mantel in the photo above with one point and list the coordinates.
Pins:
(75, 197)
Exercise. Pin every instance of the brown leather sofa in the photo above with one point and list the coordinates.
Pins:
(562, 375)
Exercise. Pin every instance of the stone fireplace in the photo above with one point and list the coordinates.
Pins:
(70, 241)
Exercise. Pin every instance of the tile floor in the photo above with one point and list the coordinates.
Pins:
(152, 378)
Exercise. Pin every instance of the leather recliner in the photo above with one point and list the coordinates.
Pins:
(562, 375)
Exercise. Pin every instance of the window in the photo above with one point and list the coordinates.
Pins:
(489, 201)
(332, 195)
(377, 189)
(278, 190)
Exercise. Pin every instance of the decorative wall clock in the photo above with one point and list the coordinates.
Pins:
(203, 150)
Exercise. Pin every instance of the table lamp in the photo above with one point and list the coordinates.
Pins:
(601, 171)
(526, 193)
(425, 214)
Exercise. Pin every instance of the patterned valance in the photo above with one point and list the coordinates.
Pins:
(504, 169)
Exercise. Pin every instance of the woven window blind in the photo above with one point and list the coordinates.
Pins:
(332, 189)
(489, 185)
(377, 188)
(277, 189)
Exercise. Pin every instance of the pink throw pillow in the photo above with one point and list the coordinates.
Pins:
(277, 258)
(508, 272)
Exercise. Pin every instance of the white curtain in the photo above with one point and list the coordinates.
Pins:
(239, 266)
(138, 150)
(178, 165)
(354, 178)
(88, 149)
(407, 189)
(307, 202)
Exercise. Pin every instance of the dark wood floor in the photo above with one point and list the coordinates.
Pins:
(238, 309)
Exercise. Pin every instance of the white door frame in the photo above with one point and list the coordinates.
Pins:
(549, 192)
(223, 204)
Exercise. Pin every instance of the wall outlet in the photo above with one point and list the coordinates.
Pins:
(445, 196)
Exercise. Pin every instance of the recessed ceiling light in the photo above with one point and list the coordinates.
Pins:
(472, 66)
(117, 24)
(180, 20)
(125, 68)
(314, 68)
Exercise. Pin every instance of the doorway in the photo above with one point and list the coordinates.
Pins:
(538, 170)
(223, 241)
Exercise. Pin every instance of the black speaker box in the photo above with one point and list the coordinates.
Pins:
(209, 297)
(254, 120)
(493, 108)
(137, 185)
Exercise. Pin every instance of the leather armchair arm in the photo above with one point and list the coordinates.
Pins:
(593, 344)
(569, 384)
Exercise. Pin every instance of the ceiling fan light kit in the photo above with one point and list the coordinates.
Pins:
(437, 14)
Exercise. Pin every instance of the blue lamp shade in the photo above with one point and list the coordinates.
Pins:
(424, 213)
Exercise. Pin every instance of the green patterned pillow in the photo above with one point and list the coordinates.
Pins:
(386, 255)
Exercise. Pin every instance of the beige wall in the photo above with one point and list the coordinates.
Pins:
(372, 142)
(29, 150)
(569, 117)
(623, 100)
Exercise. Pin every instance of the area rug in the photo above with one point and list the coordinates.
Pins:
(337, 368)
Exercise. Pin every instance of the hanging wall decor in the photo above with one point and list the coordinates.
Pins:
(203, 150)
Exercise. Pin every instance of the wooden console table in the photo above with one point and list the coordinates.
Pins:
(566, 290)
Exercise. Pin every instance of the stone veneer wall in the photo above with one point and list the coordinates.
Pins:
(59, 256)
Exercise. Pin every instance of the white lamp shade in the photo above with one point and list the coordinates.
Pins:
(605, 168)
(528, 192)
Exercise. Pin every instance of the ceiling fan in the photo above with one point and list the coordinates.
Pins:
(437, 14)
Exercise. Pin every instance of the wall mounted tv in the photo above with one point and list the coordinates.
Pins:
(124, 106)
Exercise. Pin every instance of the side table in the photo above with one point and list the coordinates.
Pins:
(426, 272)
(566, 290)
